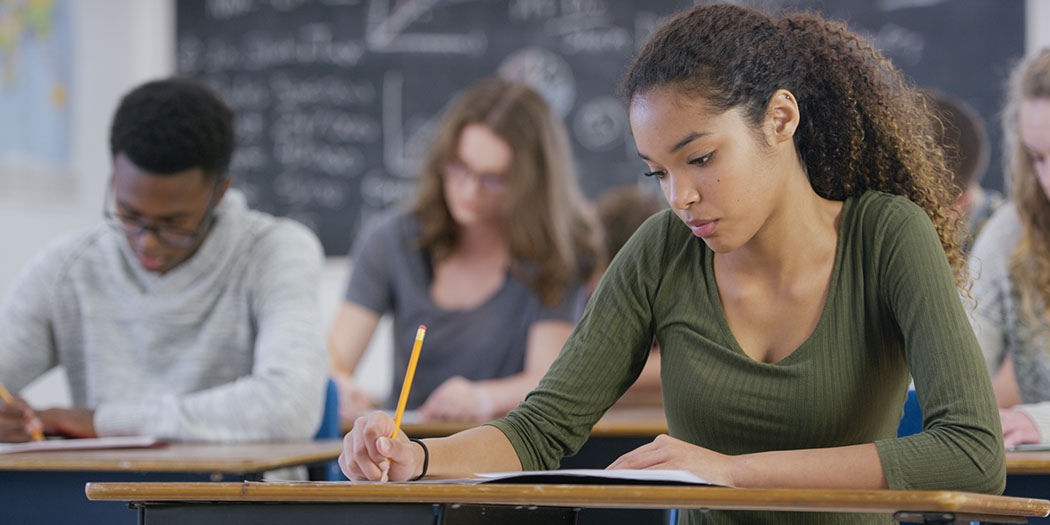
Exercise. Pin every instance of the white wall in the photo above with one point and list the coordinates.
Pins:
(116, 45)
(1037, 24)
(375, 370)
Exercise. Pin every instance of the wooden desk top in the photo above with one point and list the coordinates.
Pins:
(645, 422)
(1029, 462)
(235, 458)
(596, 496)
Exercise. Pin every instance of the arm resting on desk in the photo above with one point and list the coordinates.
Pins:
(852, 467)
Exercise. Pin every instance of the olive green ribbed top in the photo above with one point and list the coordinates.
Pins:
(892, 307)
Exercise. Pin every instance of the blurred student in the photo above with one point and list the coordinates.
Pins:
(621, 210)
(808, 266)
(185, 315)
(1011, 264)
(961, 132)
(491, 257)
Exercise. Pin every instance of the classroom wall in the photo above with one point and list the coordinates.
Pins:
(118, 44)
(1038, 24)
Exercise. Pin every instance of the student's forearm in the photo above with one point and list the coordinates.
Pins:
(850, 467)
(339, 368)
(342, 359)
(505, 393)
(348, 339)
(481, 449)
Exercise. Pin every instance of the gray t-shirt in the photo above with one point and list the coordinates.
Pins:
(392, 274)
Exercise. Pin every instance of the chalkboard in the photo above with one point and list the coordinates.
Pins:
(336, 99)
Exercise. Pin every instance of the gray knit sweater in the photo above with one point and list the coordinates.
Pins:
(1001, 327)
(224, 347)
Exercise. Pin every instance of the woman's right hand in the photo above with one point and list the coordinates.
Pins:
(370, 455)
(354, 400)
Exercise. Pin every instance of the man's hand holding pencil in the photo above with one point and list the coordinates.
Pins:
(18, 421)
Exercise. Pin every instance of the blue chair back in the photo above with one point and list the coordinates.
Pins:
(330, 418)
(911, 422)
(331, 429)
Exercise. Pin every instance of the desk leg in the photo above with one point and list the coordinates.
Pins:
(949, 518)
(458, 514)
(925, 517)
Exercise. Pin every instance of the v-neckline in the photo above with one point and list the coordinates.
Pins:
(716, 299)
(428, 280)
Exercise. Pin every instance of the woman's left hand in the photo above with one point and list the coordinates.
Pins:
(457, 399)
(1018, 428)
(668, 453)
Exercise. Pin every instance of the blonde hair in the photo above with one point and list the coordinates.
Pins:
(553, 235)
(1030, 261)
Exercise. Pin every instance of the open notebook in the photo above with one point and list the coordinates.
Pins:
(580, 477)
(80, 444)
(597, 477)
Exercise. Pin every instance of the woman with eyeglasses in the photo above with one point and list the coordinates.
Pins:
(491, 256)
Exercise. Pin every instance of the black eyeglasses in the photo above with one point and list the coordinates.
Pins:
(459, 172)
(169, 235)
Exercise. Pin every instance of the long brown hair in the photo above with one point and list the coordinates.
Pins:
(552, 232)
(862, 127)
(1030, 261)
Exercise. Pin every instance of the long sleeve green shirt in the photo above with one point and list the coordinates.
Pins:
(892, 308)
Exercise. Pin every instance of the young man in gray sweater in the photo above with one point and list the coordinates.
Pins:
(186, 315)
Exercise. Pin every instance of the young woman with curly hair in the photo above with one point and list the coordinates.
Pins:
(1011, 264)
(797, 281)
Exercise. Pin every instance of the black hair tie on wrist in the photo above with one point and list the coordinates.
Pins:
(426, 459)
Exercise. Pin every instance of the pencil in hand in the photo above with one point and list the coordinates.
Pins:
(407, 385)
(9, 399)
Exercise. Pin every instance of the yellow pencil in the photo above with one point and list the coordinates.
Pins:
(9, 399)
(407, 385)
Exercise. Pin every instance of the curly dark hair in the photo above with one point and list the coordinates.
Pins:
(964, 139)
(172, 125)
(862, 126)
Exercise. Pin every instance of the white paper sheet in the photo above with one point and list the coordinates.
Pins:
(79, 444)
